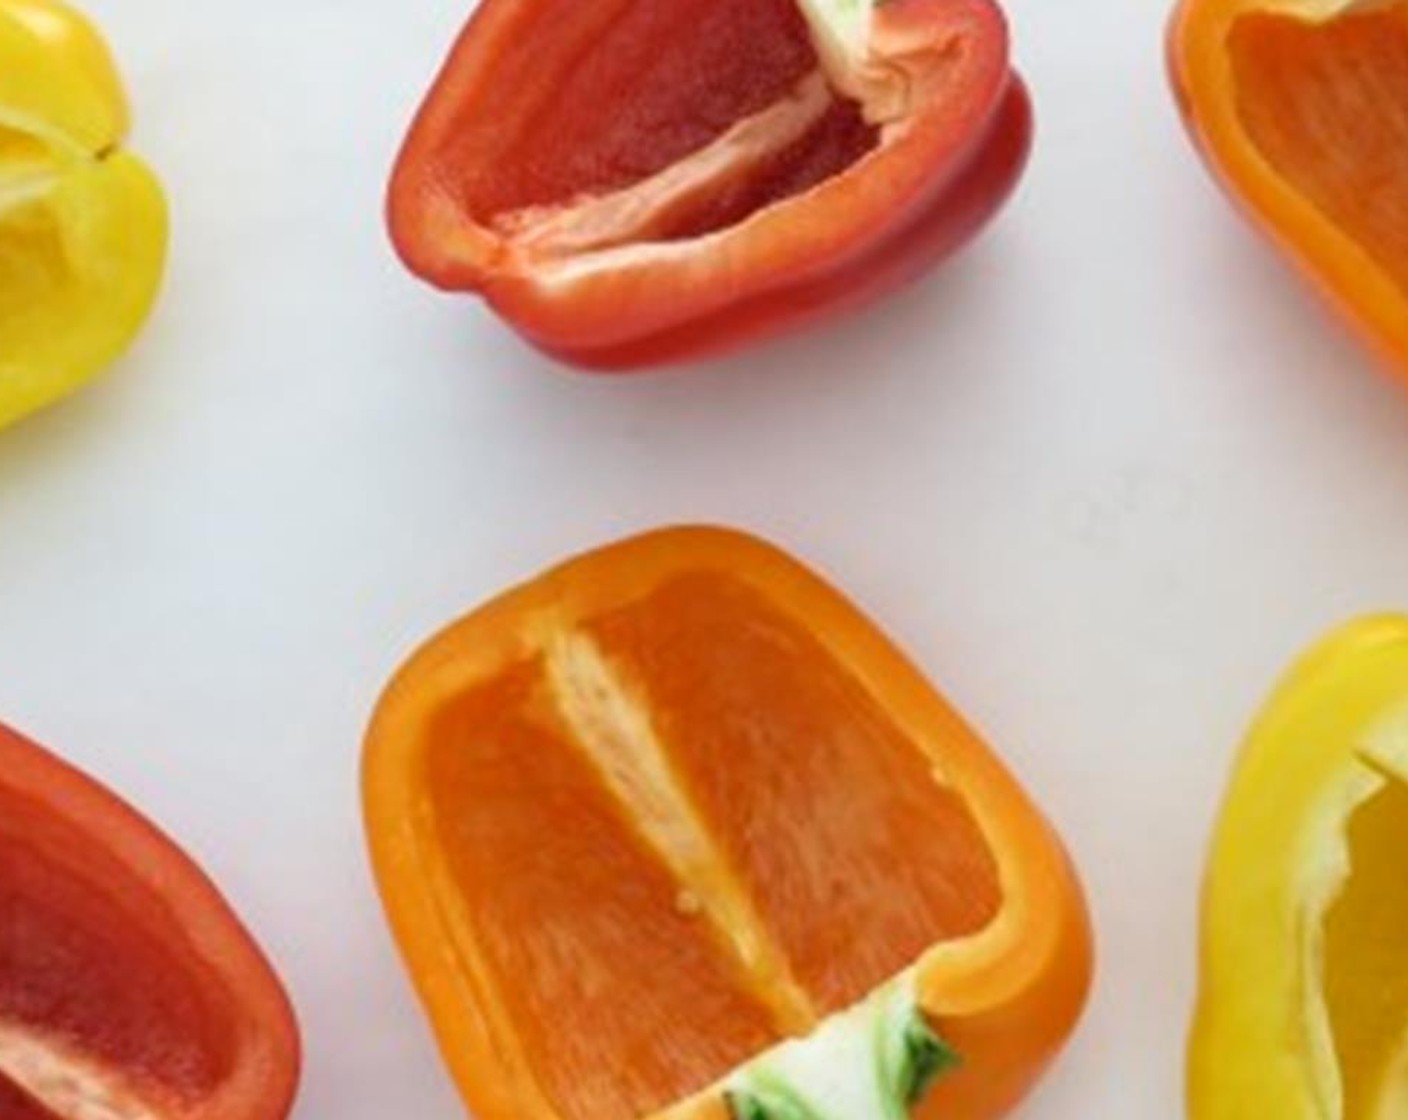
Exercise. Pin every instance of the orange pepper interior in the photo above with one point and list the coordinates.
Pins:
(683, 832)
(591, 99)
(1326, 104)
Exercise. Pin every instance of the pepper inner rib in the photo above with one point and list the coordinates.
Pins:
(33, 254)
(677, 198)
(57, 1082)
(613, 729)
(15, 1104)
(654, 120)
(28, 169)
(1326, 104)
(683, 832)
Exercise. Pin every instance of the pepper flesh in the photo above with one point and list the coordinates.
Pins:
(128, 988)
(634, 182)
(1300, 108)
(82, 222)
(645, 818)
(1303, 1004)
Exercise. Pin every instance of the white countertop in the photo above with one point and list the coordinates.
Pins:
(1103, 476)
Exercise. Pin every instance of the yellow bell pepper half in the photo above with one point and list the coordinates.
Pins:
(83, 224)
(1303, 1004)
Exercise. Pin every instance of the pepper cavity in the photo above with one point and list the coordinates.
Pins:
(636, 181)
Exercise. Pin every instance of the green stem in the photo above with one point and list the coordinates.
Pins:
(876, 1061)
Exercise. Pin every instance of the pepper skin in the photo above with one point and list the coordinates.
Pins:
(1298, 107)
(128, 988)
(1303, 1005)
(644, 818)
(634, 182)
(83, 225)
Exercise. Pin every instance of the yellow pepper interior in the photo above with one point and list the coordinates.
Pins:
(82, 243)
(83, 224)
(25, 161)
(1366, 960)
(1326, 104)
(32, 256)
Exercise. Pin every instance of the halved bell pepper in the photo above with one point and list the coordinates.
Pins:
(82, 222)
(1303, 1007)
(673, 831)
(1299, 108)
(630, 182)
(128, 988)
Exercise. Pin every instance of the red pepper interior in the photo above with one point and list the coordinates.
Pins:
(95, 963)
(609, 922)
(1327, 105)
(14, 1105)
(586, 99)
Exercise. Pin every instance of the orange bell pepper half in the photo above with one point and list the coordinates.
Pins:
(1301, 109)
(674, 831)
(128, 988)
(631, 182)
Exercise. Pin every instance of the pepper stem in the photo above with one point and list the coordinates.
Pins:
(876, 1061)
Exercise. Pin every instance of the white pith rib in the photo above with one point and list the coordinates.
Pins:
(616, 735)
(637, 217)
(562, 244)
(22, 189)
(62, 1082)
(841, 34)
(51, 138)
(26, 176)
(643, 209)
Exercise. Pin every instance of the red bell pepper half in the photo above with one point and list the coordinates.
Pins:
(637, 181)
(128, 989)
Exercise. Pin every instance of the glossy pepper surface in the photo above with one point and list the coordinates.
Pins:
(637, 181)
(128, 988)
(82, 221)
(1303, 1006)
(674, 831)
(1301, 110)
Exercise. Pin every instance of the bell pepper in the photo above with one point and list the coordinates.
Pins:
(128, 988)
(632, 182)
(1297, 106)
(82, 221)
(1303, 1005)
(673, 831)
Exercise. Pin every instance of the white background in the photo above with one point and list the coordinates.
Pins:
(1103, 475)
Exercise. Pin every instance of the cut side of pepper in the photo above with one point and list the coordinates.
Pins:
(1303, 1005)
(746, 71)
(82, 222)
(1365, 981)
(668, 809)
(1327, 105)
(128, 990)
(637, 181)
(1302, 110)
